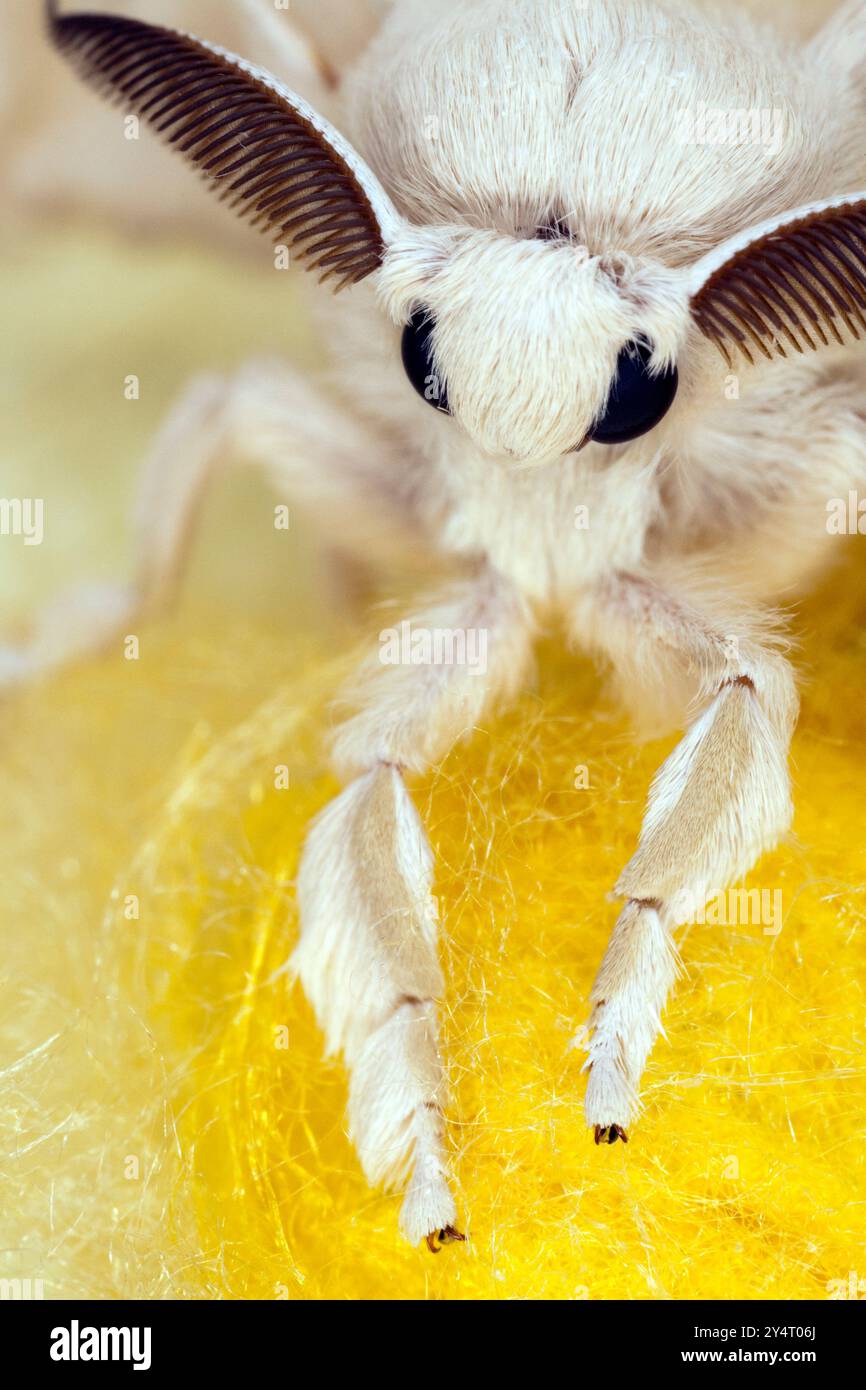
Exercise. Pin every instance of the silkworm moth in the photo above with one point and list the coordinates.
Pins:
(587, 255)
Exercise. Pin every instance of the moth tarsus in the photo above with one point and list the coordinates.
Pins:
(608, 1134)
(448, 1236)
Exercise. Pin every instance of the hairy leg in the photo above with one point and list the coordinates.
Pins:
(318, 457)
(367, 953)
(720, 800)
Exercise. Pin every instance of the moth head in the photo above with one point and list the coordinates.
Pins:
(533, 346)
(537, 347)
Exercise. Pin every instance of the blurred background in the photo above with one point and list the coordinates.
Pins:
(115, 260)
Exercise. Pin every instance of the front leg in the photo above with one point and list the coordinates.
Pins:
(367, 954)
(337, 471)
(720, 800)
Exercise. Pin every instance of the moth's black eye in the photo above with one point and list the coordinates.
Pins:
(418, 360)
(637, 400)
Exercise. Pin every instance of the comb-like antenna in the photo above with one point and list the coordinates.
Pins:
(795, 283)
(271, 156)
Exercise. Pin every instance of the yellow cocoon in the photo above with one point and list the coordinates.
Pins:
(171, 1127)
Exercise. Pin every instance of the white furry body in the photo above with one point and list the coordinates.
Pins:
(486, 122)
(566, 146)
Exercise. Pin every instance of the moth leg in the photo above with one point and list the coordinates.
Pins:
(367, 952)
(719, 801)
(321, 461)
(85, 619)
(334, 471)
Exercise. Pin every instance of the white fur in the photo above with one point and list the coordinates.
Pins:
(367, 960)
(628, 996)
(411, 715)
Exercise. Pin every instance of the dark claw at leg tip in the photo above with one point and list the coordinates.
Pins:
(445, 1237)
(608, 1134)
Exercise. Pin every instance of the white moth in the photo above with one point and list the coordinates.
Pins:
(619, 249)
